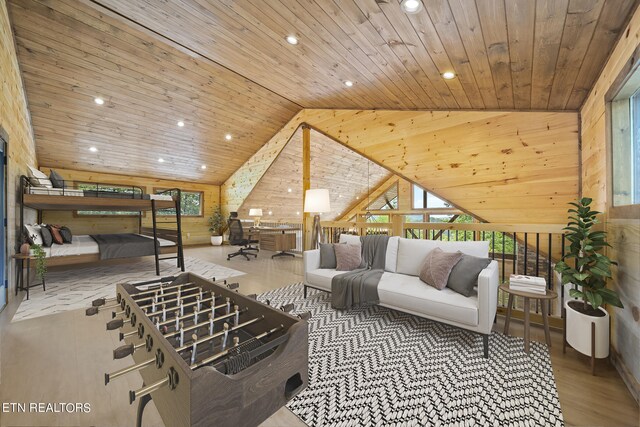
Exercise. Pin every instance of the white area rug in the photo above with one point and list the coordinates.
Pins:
(373, 366)
(78, 286)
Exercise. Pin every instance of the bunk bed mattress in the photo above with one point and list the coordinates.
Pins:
(56, 191)
(84, 244)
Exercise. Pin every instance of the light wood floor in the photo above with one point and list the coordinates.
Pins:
(62, 358)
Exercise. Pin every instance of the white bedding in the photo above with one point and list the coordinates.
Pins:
(83, 244)
(56, 191)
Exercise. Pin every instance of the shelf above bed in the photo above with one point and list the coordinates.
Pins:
(68, 203)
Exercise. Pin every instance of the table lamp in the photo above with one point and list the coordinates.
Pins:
(256, 214)
(317, 201)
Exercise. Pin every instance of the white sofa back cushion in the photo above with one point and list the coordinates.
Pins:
(391, 260)
(350, 239)
(411, 252)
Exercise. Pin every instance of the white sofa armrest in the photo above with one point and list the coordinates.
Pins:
(310, 261)
(488, 282)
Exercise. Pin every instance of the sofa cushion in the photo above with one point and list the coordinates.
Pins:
(348, 257)
(409, 293)
(321, 278)
(327, 256)
(391, 259)
(350, 239)
(411, 252)
(436, 267)
(464, 275)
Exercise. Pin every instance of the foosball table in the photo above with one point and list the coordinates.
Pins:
(208, 356)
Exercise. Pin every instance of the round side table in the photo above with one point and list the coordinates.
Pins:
(528, 296)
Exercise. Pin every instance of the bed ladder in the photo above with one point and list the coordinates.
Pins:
(180, 253)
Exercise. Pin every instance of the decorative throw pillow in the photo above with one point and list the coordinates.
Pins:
(47, 238)
(38, 179)
(66, 234)
(56, 179)
(348, 257)
(55, 234)
(350, 239)
(34, 237)
(436, 267)
(327, 256)
(464, 276)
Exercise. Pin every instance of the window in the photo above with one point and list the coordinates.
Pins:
(101, 190)
(387, 200)
(377, 218)
(625, 143)
(191, 203)
(422, 199)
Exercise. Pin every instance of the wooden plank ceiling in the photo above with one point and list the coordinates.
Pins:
(70, 53)
(503, 167)
(508, 54)
(347, 175)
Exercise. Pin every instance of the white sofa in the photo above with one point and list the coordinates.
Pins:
(401, 289)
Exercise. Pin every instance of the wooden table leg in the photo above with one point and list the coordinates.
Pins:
(526, 324)
(507, 320)
(545, 321)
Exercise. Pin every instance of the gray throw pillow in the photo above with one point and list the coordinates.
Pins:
(47, 238)
(66, 234)
(56, 179)
(464, 276)
(348, 257)
(436, 267)
(327, 256)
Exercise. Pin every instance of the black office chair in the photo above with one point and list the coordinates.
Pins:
(236, 238)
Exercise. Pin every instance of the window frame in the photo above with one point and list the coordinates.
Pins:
(425, 197)
(201, 215)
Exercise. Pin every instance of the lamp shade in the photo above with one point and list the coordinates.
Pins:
(317, 200)
(255, 212)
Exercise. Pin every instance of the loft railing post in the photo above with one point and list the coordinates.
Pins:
(179, 230)
(155, 236)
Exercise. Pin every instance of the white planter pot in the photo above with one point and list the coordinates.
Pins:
(216, 240)
(579, 331)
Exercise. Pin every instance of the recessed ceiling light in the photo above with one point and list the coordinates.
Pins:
(181, 123)
(348, 83)
(93, 149)
(411, 6)
(339, 195)
(270, 213)
(298, 213)
(228, 137)
(357, 197)
(203, 167)
(161, 160)
(292, 40)
(99, 101)
(448, 75)
(289, 190)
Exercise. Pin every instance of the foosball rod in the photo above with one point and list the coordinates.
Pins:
(190, 304)
(223, 353)
(201, 324)
(102, 301)
(132, 368)
(127, 350)
(218, 334)
(154, 303)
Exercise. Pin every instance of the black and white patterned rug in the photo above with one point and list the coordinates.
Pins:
(374, 366)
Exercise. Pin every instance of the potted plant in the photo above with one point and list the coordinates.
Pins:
(216, 226)
(41, 262)
(588, 274)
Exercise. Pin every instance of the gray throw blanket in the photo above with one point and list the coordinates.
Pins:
(123, 245)
(360, 286)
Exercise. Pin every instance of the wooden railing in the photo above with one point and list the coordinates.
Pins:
(531, 249)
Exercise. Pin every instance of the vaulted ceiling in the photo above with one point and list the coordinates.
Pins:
(225, 67)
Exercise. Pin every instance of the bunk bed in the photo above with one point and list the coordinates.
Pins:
(101, 197)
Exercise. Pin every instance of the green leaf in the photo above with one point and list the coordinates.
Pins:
(574, 293)
(611, 297)
(586, 201)
(581, 276)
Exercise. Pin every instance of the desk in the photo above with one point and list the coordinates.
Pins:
(549, 295)
(20, 266)
(277, 239)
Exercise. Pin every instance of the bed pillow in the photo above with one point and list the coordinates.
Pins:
(47, 238)
(56, 179)
(464, 276)
(348, 257)
(55, 234)
(327, 256)
(66, 234)
(34, 236)
(437, 266)
(39, 179)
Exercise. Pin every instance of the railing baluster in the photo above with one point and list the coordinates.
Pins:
(515, 252)
(493, 245)
(549, 274)
(526, 252)
(503, 263)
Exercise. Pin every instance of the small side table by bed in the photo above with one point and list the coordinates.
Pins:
(544, 298)
(20, 266)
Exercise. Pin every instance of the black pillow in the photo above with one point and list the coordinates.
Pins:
(464, 275)
(56, 179)
(65, 232)
(327, 256)
(47, 238)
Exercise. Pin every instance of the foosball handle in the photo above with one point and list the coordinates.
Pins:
(123, 351)
(98, 302)
(91, 311)
(287, 307)
(252, 296)
(305, 316)
(114, 324)
(235, 285)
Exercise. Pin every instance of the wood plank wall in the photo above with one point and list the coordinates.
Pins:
(624, 233)
(15, 127)
(195, 230)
